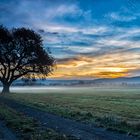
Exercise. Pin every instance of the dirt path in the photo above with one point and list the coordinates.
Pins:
(67, 126)
(5, 133)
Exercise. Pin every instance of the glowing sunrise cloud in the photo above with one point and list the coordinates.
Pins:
(104, 66)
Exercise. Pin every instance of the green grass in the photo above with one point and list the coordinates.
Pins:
(27, 128)
(115, 109)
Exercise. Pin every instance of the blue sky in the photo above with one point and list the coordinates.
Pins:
(92, 38)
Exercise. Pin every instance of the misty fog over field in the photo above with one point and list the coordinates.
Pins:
(72, 86)
(70, 89)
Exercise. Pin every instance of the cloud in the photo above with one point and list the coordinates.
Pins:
(108, 66)
(117, 16)
(64, 10)
(82, 35)
(79, 41)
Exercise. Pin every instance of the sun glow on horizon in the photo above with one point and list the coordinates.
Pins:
(104, 66)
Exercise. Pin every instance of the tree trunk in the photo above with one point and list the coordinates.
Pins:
(6, 88)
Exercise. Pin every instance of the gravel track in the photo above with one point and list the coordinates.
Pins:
(6, 133)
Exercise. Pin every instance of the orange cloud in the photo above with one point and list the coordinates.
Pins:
(104, 66)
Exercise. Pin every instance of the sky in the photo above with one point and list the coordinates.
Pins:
(88, 38)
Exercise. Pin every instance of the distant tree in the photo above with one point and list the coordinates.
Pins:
(29, 80)
(25, 81)
(22, 53)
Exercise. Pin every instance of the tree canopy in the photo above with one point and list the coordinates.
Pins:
(22, 53)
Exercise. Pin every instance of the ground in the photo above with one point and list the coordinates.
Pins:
(114, 109)
(16, 125)
(68, 127)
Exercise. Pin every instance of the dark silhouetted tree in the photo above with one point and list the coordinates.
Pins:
(22, 53)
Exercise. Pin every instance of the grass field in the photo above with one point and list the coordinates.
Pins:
(115, 109)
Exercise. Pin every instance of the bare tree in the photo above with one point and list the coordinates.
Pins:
(22, 53)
